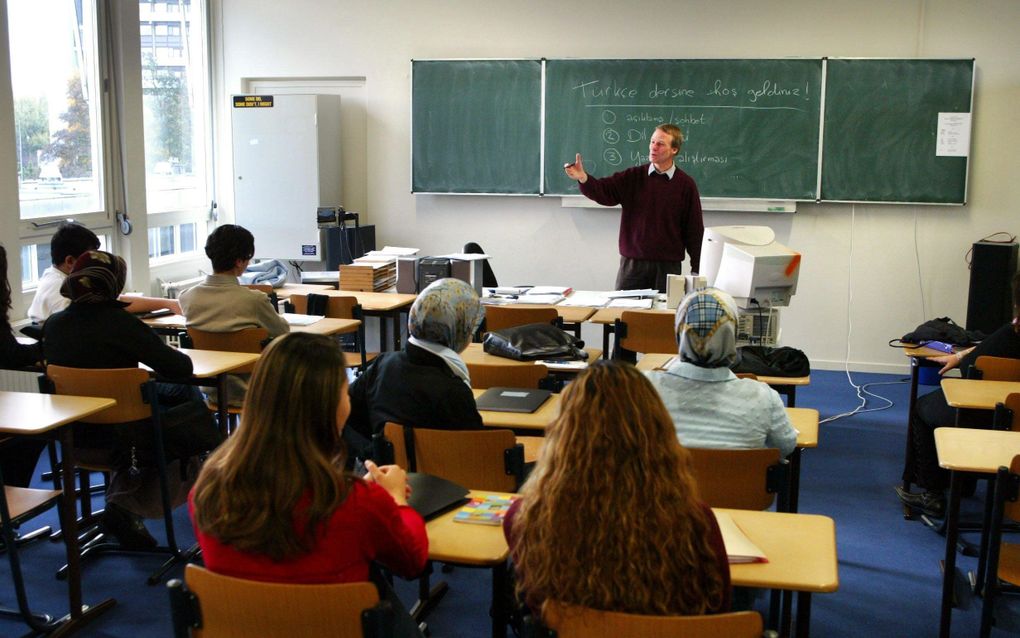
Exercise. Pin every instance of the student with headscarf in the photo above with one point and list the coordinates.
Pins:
(95, 331)
(710, 406)
(426, 384)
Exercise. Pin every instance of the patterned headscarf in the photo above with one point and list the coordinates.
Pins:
(96, 277)
(446, 313)
(706, 329)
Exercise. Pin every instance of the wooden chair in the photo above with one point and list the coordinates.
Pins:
(645, 331)
(747, 375)
(477, 459)
(336, 307)
(135, 394)
(998, 368)
(569, 621)
(484, 376)
(208, 605)
(741, 479)
(246, 340)
(500, 317)
(1007, 414)
(1003, 562)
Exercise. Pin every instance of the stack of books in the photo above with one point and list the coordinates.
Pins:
(368, 275)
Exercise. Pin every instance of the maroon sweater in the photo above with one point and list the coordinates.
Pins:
(661, 218)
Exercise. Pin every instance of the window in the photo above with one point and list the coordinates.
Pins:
(57, 119)
(35, 258)
(176, 118)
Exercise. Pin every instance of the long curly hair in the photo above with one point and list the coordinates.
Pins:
(610, 518)
(287, 450)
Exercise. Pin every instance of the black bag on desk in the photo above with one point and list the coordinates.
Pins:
(943, 329)
(772, 362)
(534, 341)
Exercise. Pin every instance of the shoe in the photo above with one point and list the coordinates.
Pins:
(930, 503)
(127, 527)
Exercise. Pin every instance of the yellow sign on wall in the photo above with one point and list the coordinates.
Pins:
(252, 101)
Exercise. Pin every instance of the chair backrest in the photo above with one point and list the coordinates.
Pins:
(341, 307)
(740, 479)
(646, 331)
(1011, 508)
(266, 288)
(747, 375)
(500, 317)
(998, 368)
(1007, 413)
(122, 384)
(246, 340)
(570, 621)
(227, 607)
(477, 459)
(484, 376)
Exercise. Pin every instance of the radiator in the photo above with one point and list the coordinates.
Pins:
(173, 289)
(18, 381)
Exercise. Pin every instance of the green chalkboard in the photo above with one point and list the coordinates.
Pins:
(476, 126)
(882, 130)
(752, 126)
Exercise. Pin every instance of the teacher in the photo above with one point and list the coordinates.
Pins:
(661, 212)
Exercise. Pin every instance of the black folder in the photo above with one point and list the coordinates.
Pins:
(512, 399)
(431, 495)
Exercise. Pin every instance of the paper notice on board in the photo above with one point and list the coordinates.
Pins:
(953, 135)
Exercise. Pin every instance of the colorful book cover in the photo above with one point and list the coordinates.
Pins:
(490, 510)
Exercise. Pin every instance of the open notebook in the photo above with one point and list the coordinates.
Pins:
(739, 548)
(295, 319)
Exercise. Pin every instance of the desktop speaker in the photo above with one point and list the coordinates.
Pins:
(990, 302)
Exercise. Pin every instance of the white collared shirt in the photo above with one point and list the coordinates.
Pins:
(668, 173)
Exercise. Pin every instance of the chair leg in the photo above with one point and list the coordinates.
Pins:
(428, 597)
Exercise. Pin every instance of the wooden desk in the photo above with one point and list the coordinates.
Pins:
(324, 326)
(967, 451)
(286, 290)
(608, 316)
(384, 305)
(976, 394)
(919, 356)
(529, 422)
(30, 414)
(783, 385)
(214, 364)
(475, 354)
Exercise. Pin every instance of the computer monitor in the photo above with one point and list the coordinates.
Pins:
(747, 263)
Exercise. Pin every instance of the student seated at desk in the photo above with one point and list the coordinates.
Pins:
(610, 518)
(66, 245)
(710, 406)
(96, 331)
(427, 383)
(931, 411)
(274, 503)
(19, 455)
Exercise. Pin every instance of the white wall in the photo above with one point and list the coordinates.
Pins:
(534, 240)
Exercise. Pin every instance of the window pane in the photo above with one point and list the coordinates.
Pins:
(26, 265)
(153, 242)
(175, 101)
(188, 232)
(56, 106)
(166, 240)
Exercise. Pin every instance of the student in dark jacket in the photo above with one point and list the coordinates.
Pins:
(18, 455)
(95, 331)
(426, 384)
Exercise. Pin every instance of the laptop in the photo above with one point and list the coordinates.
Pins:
(431, 495)
(512, 399)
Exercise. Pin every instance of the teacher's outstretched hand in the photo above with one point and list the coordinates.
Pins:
(575, 171)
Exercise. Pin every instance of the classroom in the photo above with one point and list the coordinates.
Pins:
(870, 272)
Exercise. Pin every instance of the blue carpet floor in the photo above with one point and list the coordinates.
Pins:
(889, 574)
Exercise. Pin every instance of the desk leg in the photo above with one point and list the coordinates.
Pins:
(607, 329)
(794, 480)
(384, 333)
(791, 396)
(500, 599)
(908, 451)
(222, 403)
(986, 524)
(803, 614)
(949, 566)
(70, 524)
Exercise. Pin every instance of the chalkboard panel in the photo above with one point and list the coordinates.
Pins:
(880, 136)
(751, 125)
(476, 126)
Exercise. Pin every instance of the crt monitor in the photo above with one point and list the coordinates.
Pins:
(747, 263)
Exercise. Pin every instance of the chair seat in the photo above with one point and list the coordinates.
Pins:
(24, 500)
(1009, 563)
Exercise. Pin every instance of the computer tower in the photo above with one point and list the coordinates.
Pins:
(990, 301)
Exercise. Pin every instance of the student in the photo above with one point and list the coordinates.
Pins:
(96, 331)
(273, 503)
(610, 518)
(70, 241)
(710, 406)
(426, 384)
(220, 303)
(931, 411)
(18, 455)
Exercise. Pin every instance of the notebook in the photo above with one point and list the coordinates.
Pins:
(295, 319)
(490, 510)
(512, 399)
(431, 495)
(739, 548)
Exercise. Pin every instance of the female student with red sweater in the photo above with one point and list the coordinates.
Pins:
(273, 503)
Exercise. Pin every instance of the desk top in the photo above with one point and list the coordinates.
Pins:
(324, 326)
(977, 394)
(286, 290)
(801, 549)
(610, 315)
(805, 421)
(973, 450)
(922, 352)
(370, 301)
(464, 543)
(210, 363)
(30, 413)
(476, 355)
(657, 360)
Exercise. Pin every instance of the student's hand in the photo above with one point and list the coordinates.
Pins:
(173, 306)
(950, 361)
(391, 478)
(575, 171)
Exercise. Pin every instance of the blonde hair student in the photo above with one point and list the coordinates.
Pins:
(610, 518)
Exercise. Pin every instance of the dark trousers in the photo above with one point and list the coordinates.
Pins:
(931, 411)
(636, 274)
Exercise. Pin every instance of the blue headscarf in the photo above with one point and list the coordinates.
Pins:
(443, 319)
(706, 329)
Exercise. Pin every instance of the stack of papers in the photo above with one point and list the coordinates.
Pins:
(550, 290)
(391, 252)
(739, 548)
(644, 292)
(586, 299)
(295, 319)
(540, 299)
(369, 274)
(640, 304)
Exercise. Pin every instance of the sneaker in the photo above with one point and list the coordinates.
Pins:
(127, 527)
(932, 503)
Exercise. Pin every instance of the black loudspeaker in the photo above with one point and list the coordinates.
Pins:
(990, 302)
(343, 245)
